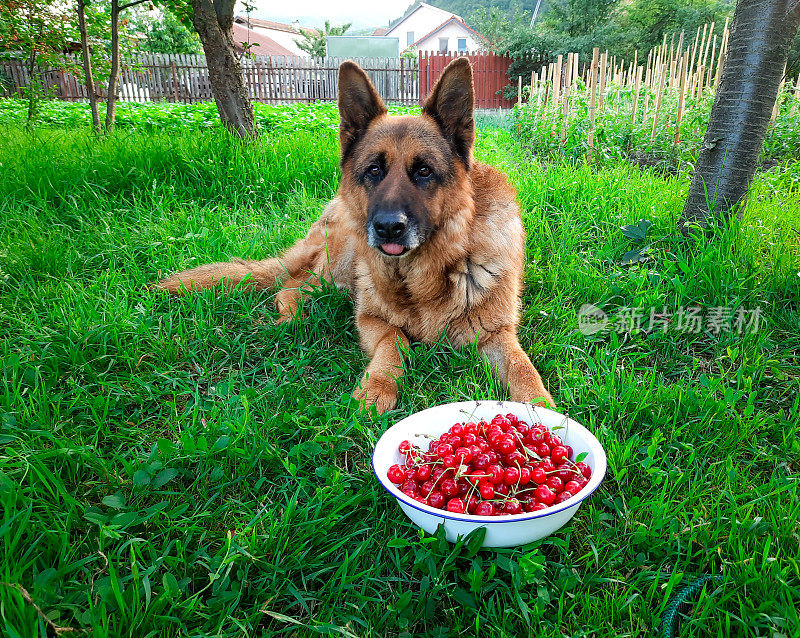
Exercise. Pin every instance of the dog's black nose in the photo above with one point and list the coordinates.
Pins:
(390, 225)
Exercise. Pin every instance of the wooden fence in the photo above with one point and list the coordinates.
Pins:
(270, 79)
(184, 78)
(490, 76)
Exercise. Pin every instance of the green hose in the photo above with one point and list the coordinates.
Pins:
(670, 617)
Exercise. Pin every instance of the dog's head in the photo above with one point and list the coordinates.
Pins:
(400, 171)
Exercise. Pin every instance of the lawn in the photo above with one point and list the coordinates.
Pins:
(176, 467)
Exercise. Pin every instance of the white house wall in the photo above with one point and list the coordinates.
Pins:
(452, 32)
(421, 22)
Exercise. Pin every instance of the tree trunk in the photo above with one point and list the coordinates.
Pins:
(113, 75)
(213, 23)
(760, 38)
(87, 66)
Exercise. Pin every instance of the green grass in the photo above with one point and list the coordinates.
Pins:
(182, 467)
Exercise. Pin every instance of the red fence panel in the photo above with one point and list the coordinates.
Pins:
(490, 72)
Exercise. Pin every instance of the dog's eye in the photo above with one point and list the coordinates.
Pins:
(374, 170)
(424, 172)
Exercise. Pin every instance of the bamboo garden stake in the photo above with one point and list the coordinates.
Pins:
(593, 73)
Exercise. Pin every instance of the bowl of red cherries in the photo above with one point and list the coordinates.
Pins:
(518, 470)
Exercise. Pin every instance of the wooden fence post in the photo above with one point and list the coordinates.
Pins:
(593, 73)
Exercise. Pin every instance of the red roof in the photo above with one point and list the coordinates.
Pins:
(442, 26)
(381, 31)
(260, 44)
(276, 26)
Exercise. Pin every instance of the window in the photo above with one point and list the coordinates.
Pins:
(443, 45)
(409, 38)
(462, 45)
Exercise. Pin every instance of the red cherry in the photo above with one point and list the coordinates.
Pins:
(493, 458)
(555, 484)
(537, 434)
(496, 474)
(471, 427)
(444, 449)
(481, 461)
(585, 470)
(544, 495)
(422, 473)
(463, 488)
(484, 509)
(538, 475)
(449, 487)
(559, 454)
(456, 505)
(487, 490)
(512, 506)
(563, 496)
(472, 503)
(404, 447)
(566, 475)
(515, 458)
(396, 474)
(547, 465)
(569, 451)
(506, 445)
(511, 476)
(524, 476)
(542, 450)
(457, 429)
(469, 439)
(537, 507)
(450, 461)
(409, 486)
(501, 489)
(436, 499)
(463, 454)
(555, 440)
(572, 486)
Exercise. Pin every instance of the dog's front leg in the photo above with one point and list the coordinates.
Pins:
(503, 351)
(381, 341)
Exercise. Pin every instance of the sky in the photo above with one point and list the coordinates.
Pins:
(312, 13)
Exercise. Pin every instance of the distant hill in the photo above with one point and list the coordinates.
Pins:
(465, 8)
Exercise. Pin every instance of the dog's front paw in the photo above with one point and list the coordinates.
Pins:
(378, 390)
(535, 396)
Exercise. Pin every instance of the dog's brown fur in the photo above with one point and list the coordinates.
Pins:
(465, 278)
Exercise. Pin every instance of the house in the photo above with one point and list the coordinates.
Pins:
(256, 42)
(428, 28)
(285, 35)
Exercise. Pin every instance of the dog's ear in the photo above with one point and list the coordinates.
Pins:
(359, 104)
(451, 103)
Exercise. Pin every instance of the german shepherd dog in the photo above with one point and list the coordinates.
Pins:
(427, 241)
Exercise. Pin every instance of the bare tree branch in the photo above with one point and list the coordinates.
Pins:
(131, 4)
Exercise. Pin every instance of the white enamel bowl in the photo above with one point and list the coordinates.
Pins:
(501, 531)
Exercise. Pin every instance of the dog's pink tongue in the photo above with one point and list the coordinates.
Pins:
(392, 249)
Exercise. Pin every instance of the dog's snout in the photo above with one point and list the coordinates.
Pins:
(390, 225)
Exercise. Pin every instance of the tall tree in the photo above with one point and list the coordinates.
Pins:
(91, 90)
(113, 76)
(760, 38)
(213, 21)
